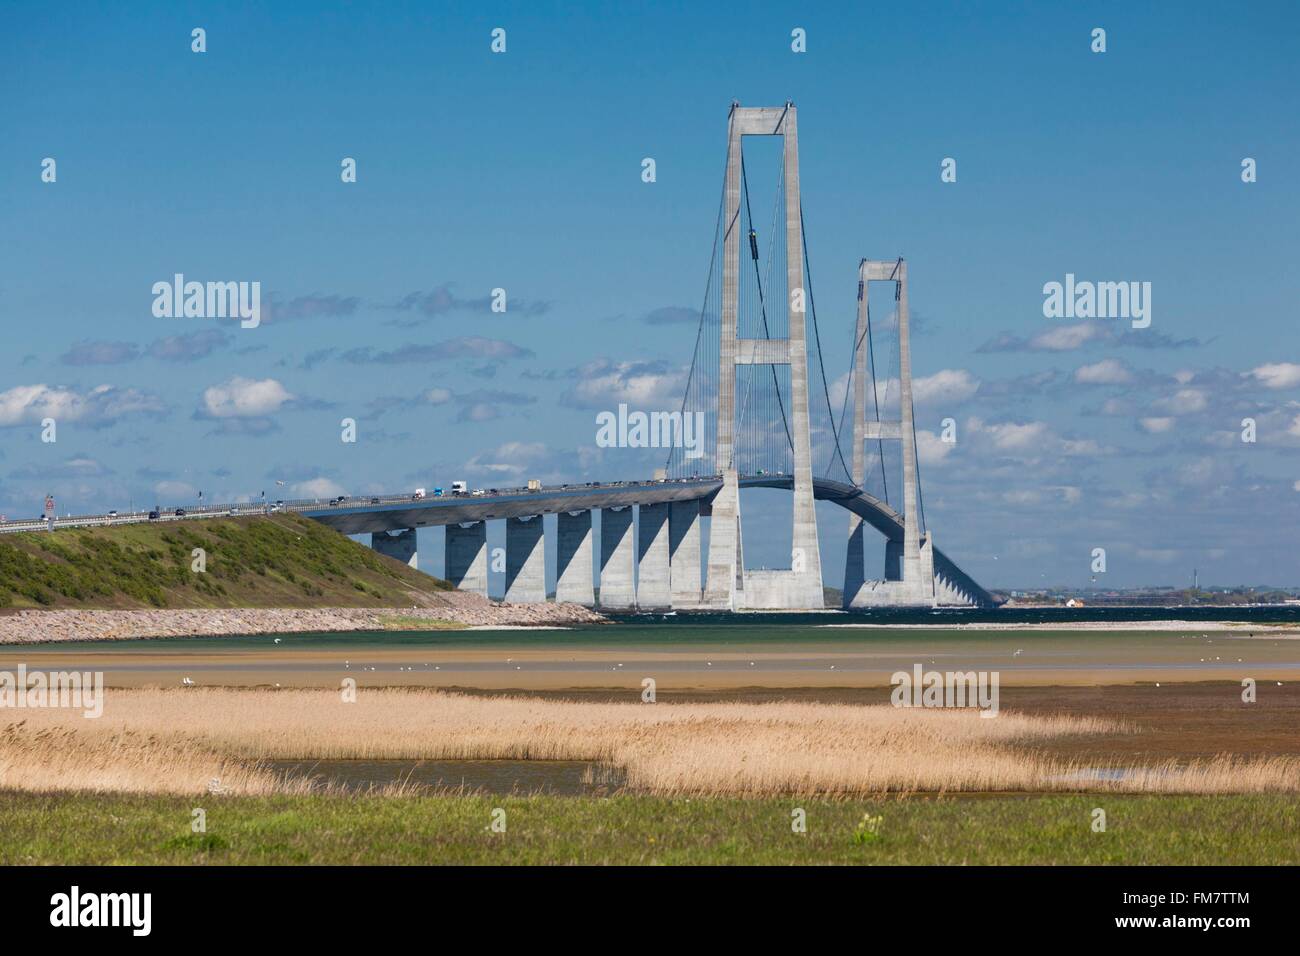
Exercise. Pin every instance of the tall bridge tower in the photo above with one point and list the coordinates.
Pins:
(728, 585)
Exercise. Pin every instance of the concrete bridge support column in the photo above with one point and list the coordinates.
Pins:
(525, 561)
(617, 558)
(684, 553)
(855, 574)
(654, 584)
(724, 578)
(925, 578)
(466, 552)
(573, 558)
(400, 546)
(893, 560)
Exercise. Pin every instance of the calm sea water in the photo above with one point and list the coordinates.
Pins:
(723, 629)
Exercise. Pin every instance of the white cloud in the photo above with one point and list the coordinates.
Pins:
(643, 386)
(516, 460)
(1106, 372)
(930, 449)
(1156, 426)
(1063, 338)
(438, 396)
(1018, 436)
(1184, 402)
(947, 385)
(29, 404)
(318, 488)
(1277, 375)
(244, 398)
(1081, 447)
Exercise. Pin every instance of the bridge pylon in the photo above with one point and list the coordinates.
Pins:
(910, 579)
(728, 585)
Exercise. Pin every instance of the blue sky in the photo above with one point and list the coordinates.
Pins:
(523, 171)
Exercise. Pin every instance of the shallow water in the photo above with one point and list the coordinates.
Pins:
(729, 630)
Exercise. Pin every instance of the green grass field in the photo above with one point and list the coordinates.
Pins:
(281, 560)
(104, 829)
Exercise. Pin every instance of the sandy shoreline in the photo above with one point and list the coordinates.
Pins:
(460, 608)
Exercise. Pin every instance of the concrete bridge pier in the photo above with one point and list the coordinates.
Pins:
(617, 558)
(654, 583)
(906, 584)
(466, 551)
(948, 594)
(400, 546)
(573, 558)
(893, 560)
(855, 574)
(724, 576)
(525, 561)
(684, 553)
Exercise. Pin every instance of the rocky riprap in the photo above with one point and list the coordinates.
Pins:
(107, 625)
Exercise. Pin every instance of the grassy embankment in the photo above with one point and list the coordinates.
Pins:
(274, 561)
(1169, 830)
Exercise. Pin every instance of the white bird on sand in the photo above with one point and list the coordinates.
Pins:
(1019, 651)
(186, 682)
(277, 640)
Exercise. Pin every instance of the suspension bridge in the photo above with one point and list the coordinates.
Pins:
(769, 422)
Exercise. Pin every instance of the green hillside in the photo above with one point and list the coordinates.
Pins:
(278, 560)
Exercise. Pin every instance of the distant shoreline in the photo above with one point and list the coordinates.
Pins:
(1152, 625)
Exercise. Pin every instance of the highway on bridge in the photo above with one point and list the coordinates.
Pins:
(370, 514)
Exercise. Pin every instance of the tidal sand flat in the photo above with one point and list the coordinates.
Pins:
(678, 657)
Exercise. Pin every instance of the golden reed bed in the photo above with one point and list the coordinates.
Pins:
(180, 740)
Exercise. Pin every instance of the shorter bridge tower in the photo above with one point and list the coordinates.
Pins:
(909, 562)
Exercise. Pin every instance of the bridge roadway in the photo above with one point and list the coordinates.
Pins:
(370, 518)
(384, 513)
